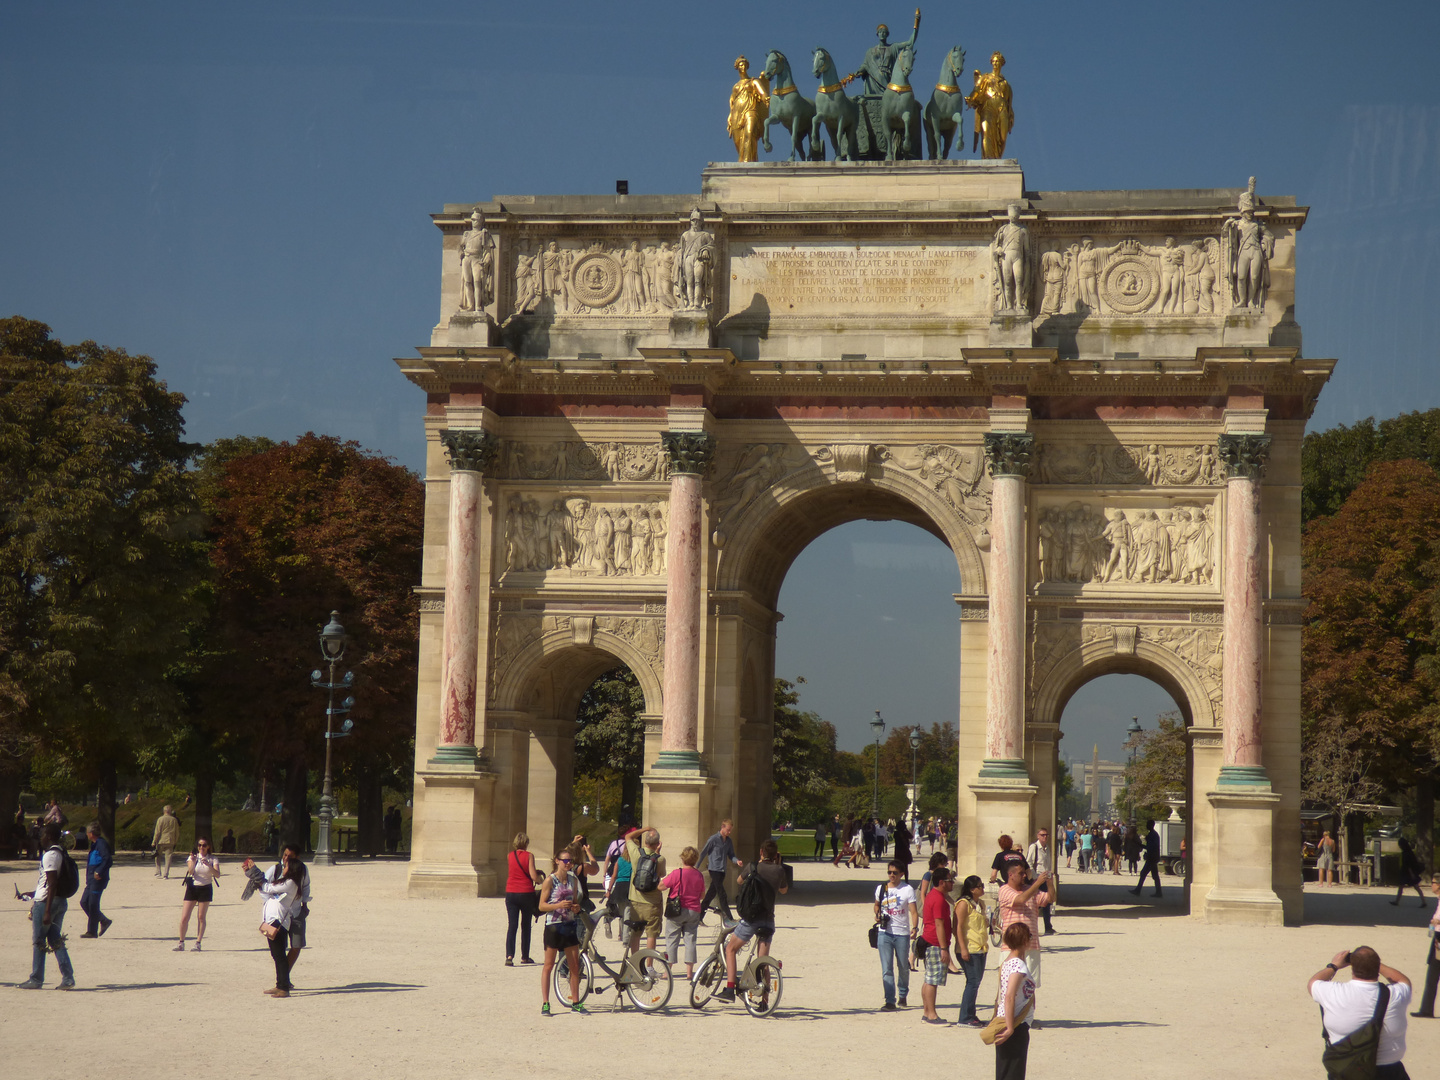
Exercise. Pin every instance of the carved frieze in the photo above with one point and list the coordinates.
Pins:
(743, 474)
(850, 460)
(957, 474)
(1150, 464)
(1088, 542)
(594, 279)
(574, 537)
(1175, 277)
(574, 460)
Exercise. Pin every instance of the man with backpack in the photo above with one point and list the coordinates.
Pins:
(59, 880)
(1364, 1019)
(760, 883)
(647, 869)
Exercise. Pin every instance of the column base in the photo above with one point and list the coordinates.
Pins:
(458, 754)
(1244, 892)
(1002, 806)
(450, 854)
(680, 760)
(446, 880)
(680, 805)
(1004, 769)
(1247, 776)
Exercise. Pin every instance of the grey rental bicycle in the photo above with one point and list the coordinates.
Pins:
(643, 975)
(758, 981)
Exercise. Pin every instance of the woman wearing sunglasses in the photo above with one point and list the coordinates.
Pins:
(560, 902)
(201, 870)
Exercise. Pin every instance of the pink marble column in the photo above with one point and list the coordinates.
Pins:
(468, 451)
(689, 455)
(1244, 458)
(1008, 455)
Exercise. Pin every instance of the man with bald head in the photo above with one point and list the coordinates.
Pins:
(1348, 1007)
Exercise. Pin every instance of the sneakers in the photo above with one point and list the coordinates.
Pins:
(526, 960)
(545, 1008)
(609, 930)
(579, 1007)
(179, 948)
(889, 1006)
(88, 934)
(67, 984)
(105, 926)
(725, 993)
(197, 946)
(29, 984)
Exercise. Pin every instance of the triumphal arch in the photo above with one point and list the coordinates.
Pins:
(640, 409)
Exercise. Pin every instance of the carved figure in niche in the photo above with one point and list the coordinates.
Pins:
(1201, 258)
(1088, 262)
(663, 286)
(1122, 545)
(994, 114)
(1251, 248)
(749, 111)
(552, 269)
(632, 265)
(649, 257)
(1011, 253)
(1150, 465)
(1052, 274)
(583, 519)
(539, 535)
(562, 541)
(658, 533)
(695, 264)
(611, 459)
(1172, 275)
(1209, 471)
(640, 556)
(527, 283)
(1199, 550)
(622, 542)
(604, 557)
(477, 265)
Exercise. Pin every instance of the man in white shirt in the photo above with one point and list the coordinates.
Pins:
(897, 920)
(1039, 856)
(1349, 1006)
(47, 913)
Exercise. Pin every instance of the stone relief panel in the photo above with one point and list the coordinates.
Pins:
(647, 635)
(1199, 648)
(514, 632)
(957, 474)
(595, 278)
(573, 460)
(1094, 542)
(1131, 278)
(745, 473)
(1151, 464)
(574, 537)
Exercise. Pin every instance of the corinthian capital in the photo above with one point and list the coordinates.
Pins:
(1244, 455)
(470, 450)
(688, 451)
(1008, 452)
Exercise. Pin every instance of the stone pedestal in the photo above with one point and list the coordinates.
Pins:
(1242, 893)
(446, 856)
(1246, 328)
(475, 328)
(1001, 806)
(679, 804)
(691, 330)
(1011, 331)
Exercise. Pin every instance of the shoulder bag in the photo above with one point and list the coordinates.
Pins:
(997, 1022)
(1353, 1057)
(874, 932)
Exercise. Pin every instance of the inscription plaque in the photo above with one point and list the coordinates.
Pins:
(846, 279)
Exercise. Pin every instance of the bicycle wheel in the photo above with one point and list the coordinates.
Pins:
(560, 980)
(653, 990)
(997, 935)
(763, 998)
(708, 978)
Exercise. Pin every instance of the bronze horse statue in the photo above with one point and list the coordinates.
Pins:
(787, 108)
(900, 112)
(833, 109)
(947, 104)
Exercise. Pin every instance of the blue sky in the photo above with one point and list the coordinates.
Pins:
(243, 191)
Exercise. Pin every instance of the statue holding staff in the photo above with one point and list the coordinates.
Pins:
(749, 110)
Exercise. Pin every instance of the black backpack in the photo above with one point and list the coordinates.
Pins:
(1353, 1057)
(67, 878)
(756, 900)
(646, 877)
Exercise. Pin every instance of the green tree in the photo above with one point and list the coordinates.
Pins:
(803, 763)
(1070, 802)
(1158, 772)
(100, 553)
(1334, 462)
(610, 735)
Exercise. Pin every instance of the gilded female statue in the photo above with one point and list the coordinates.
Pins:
(749, 110)
(994, 117)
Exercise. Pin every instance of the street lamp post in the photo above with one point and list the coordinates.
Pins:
(915, 738)
(878, 727)
(332, 649)
(1133, 730)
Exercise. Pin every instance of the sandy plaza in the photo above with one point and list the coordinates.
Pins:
(416, 988)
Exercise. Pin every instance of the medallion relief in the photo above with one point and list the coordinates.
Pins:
(1178, 276)
(590, 279)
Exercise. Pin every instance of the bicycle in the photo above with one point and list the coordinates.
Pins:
(644, 975)
(758, 983)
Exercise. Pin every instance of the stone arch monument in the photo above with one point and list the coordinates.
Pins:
(664, 399)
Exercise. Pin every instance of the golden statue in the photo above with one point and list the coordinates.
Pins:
(994, 118)
(749, 111)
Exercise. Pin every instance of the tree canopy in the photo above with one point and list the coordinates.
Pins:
(1158, 772)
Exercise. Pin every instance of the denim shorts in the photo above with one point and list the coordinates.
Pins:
(762, 930)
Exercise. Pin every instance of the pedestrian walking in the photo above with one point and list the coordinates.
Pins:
(972, 942)
(1152, 859)
(47, 911)
(835, 828)
(617, 876)
(1086, 850)
(717, 855)
(822, 830)
(901, 835)
(684, 887)
(1015, 1005)
(897, 920)
(1132, 848)
(167, 835)
(520, 910)
(1364, 1019)
(97, 876)
(1432, 957)
(201, 870)
(560, 902)
(937, 929)
(1410, 870)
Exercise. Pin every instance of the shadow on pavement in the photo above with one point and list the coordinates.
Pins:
(360, 988)
(1370, 908)
(106, 988)
(1047, 1023)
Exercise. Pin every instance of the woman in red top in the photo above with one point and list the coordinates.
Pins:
(520, 898)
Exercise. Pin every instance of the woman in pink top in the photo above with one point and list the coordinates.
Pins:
(686, 884)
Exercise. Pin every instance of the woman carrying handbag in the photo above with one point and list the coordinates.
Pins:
(520, 900)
